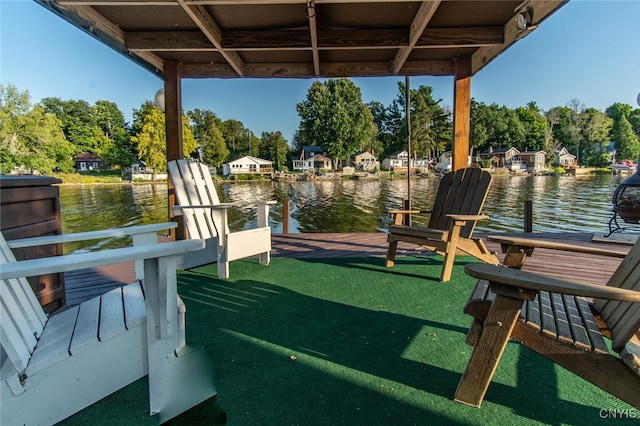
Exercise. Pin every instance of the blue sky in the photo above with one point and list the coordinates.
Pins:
(589, 50)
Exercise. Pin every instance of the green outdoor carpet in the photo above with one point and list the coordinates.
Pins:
(350, 342)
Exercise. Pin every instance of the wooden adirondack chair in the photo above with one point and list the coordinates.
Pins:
(53, 366)
(206, 218)
(552, 317)
(456, 209)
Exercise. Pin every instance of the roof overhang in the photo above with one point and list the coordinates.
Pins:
(306, 38)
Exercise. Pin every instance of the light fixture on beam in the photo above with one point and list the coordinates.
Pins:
(158, 100)
(523, 20)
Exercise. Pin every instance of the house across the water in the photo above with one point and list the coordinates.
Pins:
(248, 165)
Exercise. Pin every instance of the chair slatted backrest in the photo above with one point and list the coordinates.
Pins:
(193, 186)
(461, 192)
(623, 318)
(22, 319)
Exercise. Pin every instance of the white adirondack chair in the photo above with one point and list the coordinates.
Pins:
(206, 218)
(53, 366)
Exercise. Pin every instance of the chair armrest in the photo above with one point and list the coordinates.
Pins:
(177, 210)
(527, 280)
(394, 212)
(71, 262)
(468, 217)
(505, 242)
(91, 235)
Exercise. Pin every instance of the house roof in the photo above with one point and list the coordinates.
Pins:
(305, 38)
(88, 157)
(250, 159)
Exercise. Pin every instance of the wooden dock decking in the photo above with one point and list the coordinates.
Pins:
(81, 285)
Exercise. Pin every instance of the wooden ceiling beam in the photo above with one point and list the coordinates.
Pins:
(539, 12)
(112, 32)
(313, 33)
(207, 25)
(304, 70)
(420, 21)
(326, 40)
(211, 2)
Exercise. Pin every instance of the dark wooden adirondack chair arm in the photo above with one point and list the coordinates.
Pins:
(517, 249)
(551, 317)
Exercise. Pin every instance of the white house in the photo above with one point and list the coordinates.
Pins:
(366, 161)
(445, 160)
(306, 161)
(400, 159)
(565, 159)
(248, 165)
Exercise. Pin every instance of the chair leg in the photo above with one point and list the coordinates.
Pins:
(450, 254)
(265, 258)
(487, 352)
(391, 254)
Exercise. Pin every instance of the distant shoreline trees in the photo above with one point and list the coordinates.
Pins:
(48, 135)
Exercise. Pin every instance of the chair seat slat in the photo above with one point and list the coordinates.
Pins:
(85, 334)
(111, 314)
(54, 343)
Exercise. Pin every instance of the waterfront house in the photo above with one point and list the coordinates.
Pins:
(501, 157)
(248, 165)
(319, 162)
(399, 159)
(565, 159)
(305, 161)
(534, 161)
(445, 161)
(90, 162)
(366, 161)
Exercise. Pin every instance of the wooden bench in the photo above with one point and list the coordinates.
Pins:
(554, 318)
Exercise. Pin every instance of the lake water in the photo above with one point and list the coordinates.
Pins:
(560, 203)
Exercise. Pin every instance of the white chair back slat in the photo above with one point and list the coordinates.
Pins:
(22, 318)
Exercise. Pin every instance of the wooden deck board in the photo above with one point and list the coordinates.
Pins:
(575, 266)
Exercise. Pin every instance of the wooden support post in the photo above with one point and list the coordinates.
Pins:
(461, 112)
(173, 127)
(528, 216)
(285, 217)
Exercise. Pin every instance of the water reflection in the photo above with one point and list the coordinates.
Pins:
(564, 203)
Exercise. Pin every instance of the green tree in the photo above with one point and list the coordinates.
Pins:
(495, 126)
(119, 151)
(152, 139)
(214, 149)
(206, 130)
(622, 132)
(431, 126)
(31, 137)
(238, 138)
(596, 127)
(274, 147)
(334, 117)
(534, 124)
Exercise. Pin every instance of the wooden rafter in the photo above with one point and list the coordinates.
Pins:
(313, 32)
(325, 40)
(98, 22)
(420, 21)
(211, 30)
(540, 10)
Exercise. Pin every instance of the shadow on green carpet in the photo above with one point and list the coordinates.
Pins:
(350, 342)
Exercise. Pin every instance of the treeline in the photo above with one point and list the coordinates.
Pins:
(48, 135)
